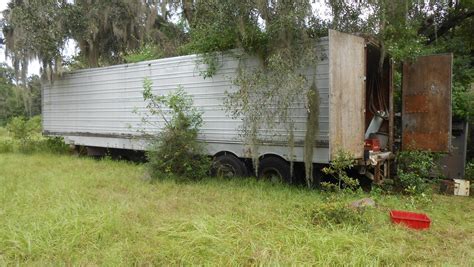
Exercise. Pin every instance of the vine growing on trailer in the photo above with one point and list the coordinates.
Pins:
(282, 35)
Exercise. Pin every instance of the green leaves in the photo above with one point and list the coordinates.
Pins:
(338, 169)
(282, 35)
(463, 102)
(175, 150)
(146, 52)
(106, 32)
(414, 170)
(23, 129)
(34, 29)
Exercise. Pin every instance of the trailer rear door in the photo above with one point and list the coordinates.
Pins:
(426, 103)
(347, 94)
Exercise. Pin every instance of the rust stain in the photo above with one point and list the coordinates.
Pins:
(424, 141)
(416, 103)
(426, 121)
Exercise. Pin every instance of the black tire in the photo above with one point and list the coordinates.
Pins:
(228, 166)
(275, 169)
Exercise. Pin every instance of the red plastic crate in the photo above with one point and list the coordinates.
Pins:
(410, 219)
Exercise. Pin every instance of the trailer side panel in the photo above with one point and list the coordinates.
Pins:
(103, 107)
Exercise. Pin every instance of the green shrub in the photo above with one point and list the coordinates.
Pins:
(469, 174)
(34, 123)
(338, 169)
(413, 171)
(23, 129)
(18, 128)
(55, 145)
(27, 139)
(175, 151)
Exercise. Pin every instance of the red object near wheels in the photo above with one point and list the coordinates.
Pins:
(410, 219)
(372, 144)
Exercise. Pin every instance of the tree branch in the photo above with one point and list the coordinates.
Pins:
(450, 22)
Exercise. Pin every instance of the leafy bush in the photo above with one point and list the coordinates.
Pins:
(55, 145)
(469, 174)
(27, 139)
(35, 124)
(414, 168)
(175, 150)
(23, 129)
(463, 103)
(338, 170)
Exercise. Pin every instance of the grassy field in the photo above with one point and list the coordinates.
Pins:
(62, 210)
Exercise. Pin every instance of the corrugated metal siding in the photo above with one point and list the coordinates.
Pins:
(99, 103)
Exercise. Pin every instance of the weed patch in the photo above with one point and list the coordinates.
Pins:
(6, 146)
(24, 136)
(336, 213)
(54, 145)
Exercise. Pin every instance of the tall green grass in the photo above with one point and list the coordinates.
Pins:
(64, 210)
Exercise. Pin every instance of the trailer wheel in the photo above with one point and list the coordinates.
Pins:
(228, 166)
(274, 169)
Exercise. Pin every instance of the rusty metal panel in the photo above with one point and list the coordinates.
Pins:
(416, 103)
(347, 94)
(426, 112)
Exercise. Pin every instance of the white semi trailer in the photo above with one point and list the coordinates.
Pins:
(96, 108)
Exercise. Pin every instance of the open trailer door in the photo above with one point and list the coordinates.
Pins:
(426, 103)
(346, 94)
